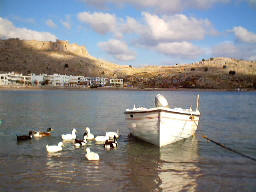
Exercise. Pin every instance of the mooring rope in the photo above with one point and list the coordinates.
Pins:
(228, 148)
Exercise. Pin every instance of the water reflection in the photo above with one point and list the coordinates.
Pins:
(70, 166)
(178, 168)
(171, 168)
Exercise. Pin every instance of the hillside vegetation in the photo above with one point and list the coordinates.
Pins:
(71, 59)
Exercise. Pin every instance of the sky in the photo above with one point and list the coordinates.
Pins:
(138, 32)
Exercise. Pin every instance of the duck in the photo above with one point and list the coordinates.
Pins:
(54, 148)
(88, 135)
(111, 143)
(25, 137)
(112, 134)
(43, 134)
(101, 139)
(69, 137)
(91, 156)
(80, 142)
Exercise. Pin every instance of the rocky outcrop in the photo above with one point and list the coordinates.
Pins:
(59, 45)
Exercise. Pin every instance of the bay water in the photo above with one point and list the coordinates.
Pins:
(192, 164)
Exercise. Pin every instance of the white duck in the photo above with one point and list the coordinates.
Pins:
(91, 156)
(101, 139)
(54, 148)
(88, 135)
(68, 137)
(112, 134)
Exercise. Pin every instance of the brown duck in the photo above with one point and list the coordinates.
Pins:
(42, 134)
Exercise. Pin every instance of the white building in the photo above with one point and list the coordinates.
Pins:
(37, 79)
(57, 79)
(17, 79)
(4, 79)
(116, 82)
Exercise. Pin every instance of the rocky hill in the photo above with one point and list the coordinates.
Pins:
(217, 73)
(65, 58)
(54, 57)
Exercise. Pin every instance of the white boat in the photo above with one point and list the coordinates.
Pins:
(162, 125)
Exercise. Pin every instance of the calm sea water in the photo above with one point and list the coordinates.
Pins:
(190, 165)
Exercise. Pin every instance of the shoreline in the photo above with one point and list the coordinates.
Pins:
(121, 88)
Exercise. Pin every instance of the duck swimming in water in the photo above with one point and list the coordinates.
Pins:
(54, 148)
(111, 143)
(101, 139)
(91, 156)
(80, 142)
(43, 134)
(88, 135)
(69, 137)
(25, 137)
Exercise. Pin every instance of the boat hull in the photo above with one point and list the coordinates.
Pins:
(161, 127)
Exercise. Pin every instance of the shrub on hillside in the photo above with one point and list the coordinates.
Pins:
(232, 73)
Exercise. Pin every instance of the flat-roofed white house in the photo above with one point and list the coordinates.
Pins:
(100, 81)
(37, 79)
(56, 79)
(15, 78)
(4, 79)
(116, 82)
(73, 80)
(27, 80)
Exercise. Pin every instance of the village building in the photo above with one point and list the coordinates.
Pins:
(116, 82)
(56, 80)
(3, 79)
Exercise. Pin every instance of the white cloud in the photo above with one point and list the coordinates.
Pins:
(243, 48)
(177, 27)
(169, 35)
(50, 23)
(244, 35)
(154, 29)
(165, 6)
(67, 23)
(225, 49)
(179, 49)
(239, 51)
(102, 23)
(118, 49)
(132, 26)
(8, 30)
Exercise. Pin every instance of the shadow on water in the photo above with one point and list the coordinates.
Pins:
(170, 168)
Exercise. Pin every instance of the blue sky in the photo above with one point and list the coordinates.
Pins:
(138, 33)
